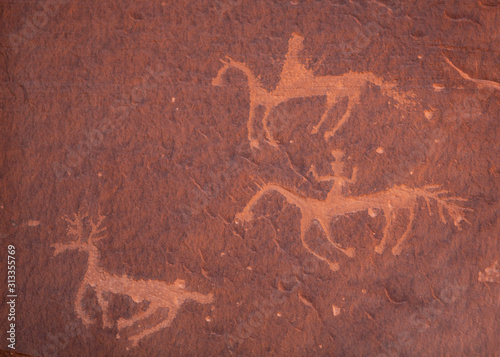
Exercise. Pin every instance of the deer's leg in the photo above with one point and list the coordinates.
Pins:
(305, 223)
(269, 136)
(104, 305)
(330, 101)
(79, 306)
(350, 105)
(396, 250)
(172, 313)
(254, 142)
(388, 224)
(124, 323)
(348, 251)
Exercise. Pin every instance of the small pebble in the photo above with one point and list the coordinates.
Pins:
(336, 310)
(438, 87)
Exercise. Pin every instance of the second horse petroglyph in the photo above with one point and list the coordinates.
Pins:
(337, 204)
(158, 294)
(296, 81)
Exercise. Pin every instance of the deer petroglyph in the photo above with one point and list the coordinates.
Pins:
(337, 204)
(296, 81)
(158, 294)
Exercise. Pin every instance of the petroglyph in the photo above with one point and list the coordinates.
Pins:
(158, 294)
(297, 81)
(491, 274)
(481, 83)
(337, 204)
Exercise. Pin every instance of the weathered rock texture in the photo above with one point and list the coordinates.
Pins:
(251, 177)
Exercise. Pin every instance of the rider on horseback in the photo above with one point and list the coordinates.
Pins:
(294, 70)
(339, 181)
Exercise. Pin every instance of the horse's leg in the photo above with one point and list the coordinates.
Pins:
(330, 101)
(104, 305)
(269, 136)
(79, 306)
(305, 223)
(353, 100)
(172, 313)
(254, 143)
(396, 250)
(388, 224)
(246, 215)
(348, 251)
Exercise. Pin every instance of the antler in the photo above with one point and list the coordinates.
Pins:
(96, 228)
(75, 227)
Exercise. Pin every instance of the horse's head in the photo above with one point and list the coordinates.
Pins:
(217, 81)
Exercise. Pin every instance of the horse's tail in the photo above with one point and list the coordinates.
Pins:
(292, 198)
(403, 98)
(448, 203)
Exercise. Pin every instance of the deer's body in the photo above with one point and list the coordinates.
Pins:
(158, 293)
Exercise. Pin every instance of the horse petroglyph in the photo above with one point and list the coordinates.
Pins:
(158, 294)
(297, 81)
(337, 204)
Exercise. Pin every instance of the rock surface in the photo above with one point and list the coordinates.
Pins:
(251, 177)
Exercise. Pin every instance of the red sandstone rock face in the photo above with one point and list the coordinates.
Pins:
(329, 188)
